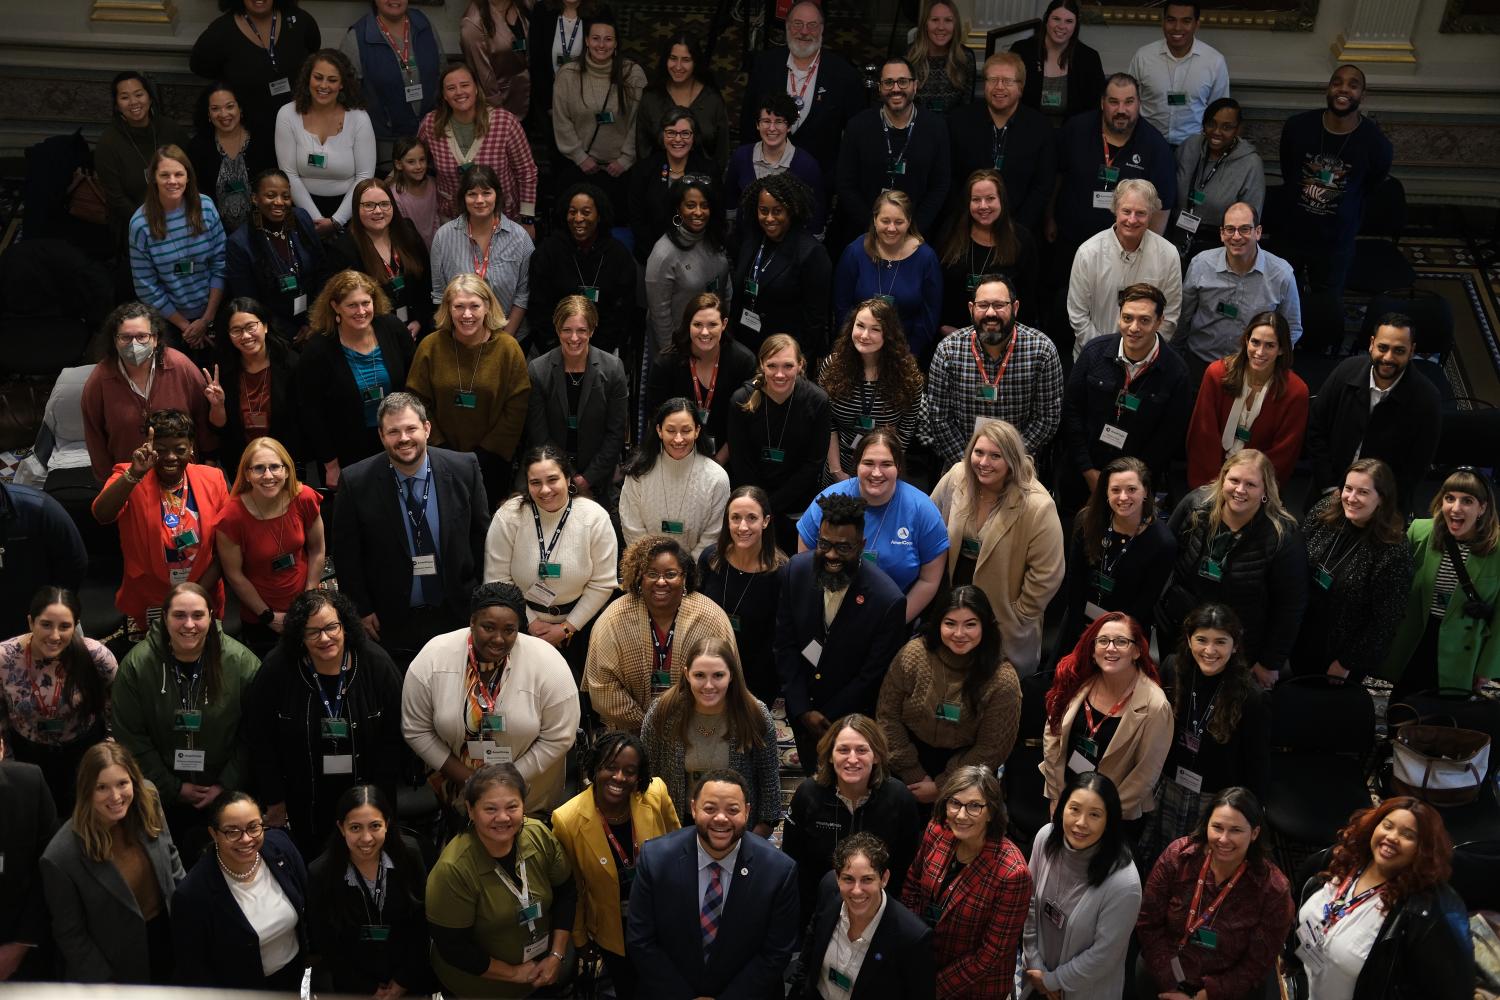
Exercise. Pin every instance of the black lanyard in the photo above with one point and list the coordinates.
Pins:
(417, 515)
(335, 709)
(185, 699)
(663, 650)
(892, 161)
(378, 899)
(544, 552)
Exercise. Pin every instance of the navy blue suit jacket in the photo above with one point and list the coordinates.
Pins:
(757, 929)
(899, 964)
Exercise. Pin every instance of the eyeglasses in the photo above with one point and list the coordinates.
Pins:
(274, 468)
(139, 338)
(896, 82)
(331, 630)
(234, 833)
(804, 25)
(970, 809)
(992, 306)
(670, 576)
(246, 330)
(1245, 230)
(678, 133)
(1001, 81)
(1117, 641)
(842, 548)
(378, 207)
(766, 122)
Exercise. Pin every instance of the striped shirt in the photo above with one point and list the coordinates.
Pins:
(1447, 582)
(176, 273)
(509, 269)
(1029, 394)
(864, 408)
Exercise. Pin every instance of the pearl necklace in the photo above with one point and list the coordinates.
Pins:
(236, 876)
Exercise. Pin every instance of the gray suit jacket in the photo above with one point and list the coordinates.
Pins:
(603, 413)
(98, 926)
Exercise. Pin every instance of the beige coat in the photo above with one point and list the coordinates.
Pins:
(1135, 755)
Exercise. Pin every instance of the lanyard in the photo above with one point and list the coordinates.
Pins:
(334, 709)
(713, 381)
(482, 264)
(393, 266)
(1341, 905)
(866, 398)
(998, 138)
(663, 647)
(1139, 372)
(365, 892)
(404, 52)
(1195, 724)
(799, 94)
(1201, 178)
(186, 699)
(544, 552)
(893, 161)
(579, 269)
(1108, 542)
(1194, 920)
(625, 858)
(523, 894)
(785, 420)
(271, 46)
(1332, 561)
(488, 697)
(1109, 161)
(1088, 712)
(417, 516)
(44, 710)
(292, 261)
(755, 268)
(979, 361)
(566, 41)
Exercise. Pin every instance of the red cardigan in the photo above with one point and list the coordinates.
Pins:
(1277, 431)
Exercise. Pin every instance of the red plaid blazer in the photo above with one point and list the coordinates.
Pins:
(503, 149)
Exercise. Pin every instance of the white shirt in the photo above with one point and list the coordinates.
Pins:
(270, 914)
(1377, 394)
(802, 86)
(847, 956)
(1345, 948)
(1201, 76)
(1102, 267)
(325, 169)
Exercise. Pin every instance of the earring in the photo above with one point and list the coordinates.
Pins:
(572, 489)
(677, 221)
(1265, 499)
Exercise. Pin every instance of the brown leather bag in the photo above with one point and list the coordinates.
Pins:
(85, 198)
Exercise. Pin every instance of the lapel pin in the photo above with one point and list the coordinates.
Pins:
(744, 871)
(878, 956)
(859, 598)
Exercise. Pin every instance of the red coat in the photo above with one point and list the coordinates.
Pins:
(1277, 430)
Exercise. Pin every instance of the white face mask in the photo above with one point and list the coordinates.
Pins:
(137, 353)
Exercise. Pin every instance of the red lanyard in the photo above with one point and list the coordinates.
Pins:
(799, 94)
(487, 699)
(1338, 909)
(393, 266)
(481, 264)
(625, 858)
(979, 361)
(50, 711)
(713, 382)
(1194, 921)
(1088, 712)
(403, 53)
(1108, 160)
(1129, 378)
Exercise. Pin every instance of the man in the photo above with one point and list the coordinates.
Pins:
(839, 622)
(1375, 408)
(1127, 253)
(1330, 160)
(39, 545)
(889, 147)
(996, 369)
(1002, 134)
(28, 819)
(1127, 395)
(1180, 75)
(713, 909)
(409, 529)
(1225, 287)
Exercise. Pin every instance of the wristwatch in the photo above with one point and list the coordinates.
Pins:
(267, 617)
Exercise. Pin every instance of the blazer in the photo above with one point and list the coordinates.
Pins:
(339, 913)
(838, 95)
(213, 942)
(1135, 755)
(96, 921)
(1277, 431)
(28, 818)
(603, 413)
(1029, 164)
(796, 279)
(1085, 76)
(757, 928)
(252, 270)
(328, 398)
(898, 964)
(285, 425)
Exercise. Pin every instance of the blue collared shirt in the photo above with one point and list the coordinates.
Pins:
(1211, 288)
(727, 862)
(424, 589)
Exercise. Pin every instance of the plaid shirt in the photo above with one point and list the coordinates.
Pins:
(504, 149)
(1029, 396)
(975, 938)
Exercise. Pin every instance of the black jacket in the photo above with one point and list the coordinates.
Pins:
(865, 168)
(1155, 432)
(671, 376)
(337, 913)
(28, 819)
(415, 293)
(603, 413)
(798, 429)
(559, 268)
(328, 402)
(286, 425)
(796, 277)
(208, 161)
(39, 544)
(838, 95)
(1085, 76)
(253, 271)
(899, 964)
(1138, 574)
(1029, 165)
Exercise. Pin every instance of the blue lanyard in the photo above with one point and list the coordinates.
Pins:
(891, 159)
(755, 268)
(417, 517)
(271, 48)
(336, 708)
(568, 40)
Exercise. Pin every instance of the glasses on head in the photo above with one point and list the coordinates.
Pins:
(1244, 230)
(1117, 641)
(233, 833)
(678, 133)
(377, 207)
(139, 338)
(970, 809)
(995, 306)
(274, 468)
(829, 545)
(670, 576)
(896, 82)
(331, 630)
(245, 330)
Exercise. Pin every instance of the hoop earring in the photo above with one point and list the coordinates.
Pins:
(572, 489)
(677, 220)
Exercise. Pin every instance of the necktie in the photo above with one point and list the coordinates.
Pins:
(416, 510)
(713, 905)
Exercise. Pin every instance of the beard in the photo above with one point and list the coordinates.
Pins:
(996, 336)
(803, 50)
(832, 580)
(1353, 108)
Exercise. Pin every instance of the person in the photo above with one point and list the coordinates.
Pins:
(492, 35)
(1064, 76)
(109, 874)
(177, 249)
(168, 508)
(465, 130)
(942, 66)
(1253, 399)
(1239, 279)
(45, 547)
(675, 156)
(989, 240)
(684, 881)
(950, 698)
(399, 82)
(497, 929)
(687, 261)
(487, 416)
(1367, 408)
(240, 916)
(31, 821)
(961, 392)
(223, 157)
(1380, 919)
(882, 149)
(1217, 153)
(187, 735)
(1003, 135)
(776, 116)
(632, 653)
(581, 257)
(409, 568)
(1330, 161)
(831, 663)
(594, 103)
(54, 690)
(684, 78)
(856, 925)
(325, 143)
(382, 244)
(993, 494)
(738, 572)
(369, 925)
(672, 485)
(1361, 568)
(557, 27)
(414, 188)
(702, 355)
(912, 549)
(872, 381)
(276, 257)
(484, 242)
(1125, 254)
(1224, 942)
(623, 806)
(1088, 895)
(871, 265)
(359, 354)
(782, 271)
(1179, 75)
(257, 46)
(323, 716)
(1446, 637)
(135, 132)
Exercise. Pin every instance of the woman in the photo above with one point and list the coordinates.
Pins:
(671, 485)
(325, 143)
(241, 915)
(109, 874)
(580, 401)
(783, 273)
(674, 156)
(1215, 169)
(568, 575)
(944, 64)
(477, 401)
(704, 363)
(359, 353)
(913, 548)
(871, 267)
(1088, 895)
(708, 720)
(277, 257)
(369, 926)
(1251, 399)
(256, 376)
(872, 381)
(775, 116)
(125, 148)
(497, 930)
(684, 79)
(988, 240)
(223, 155)
(581, 257)
(601, 830)
(1064, 76)
(483, 242)
(631, 656)
(400, 81)
(1381, 919)
(1361, 571)
(1448, 636)
(1106, 712)
(324, 716)
(1003, 535)
(1237, 545)
(257, 46)
(738, 572)
(380, 242)
(271, 541)
(492, 693)
(465, 131)
(54, 691)
(950, 699)
(970, 884)
(492, 35)
(687, 261)
(177, 249)
(413, 188)
(1214, 908)
(557, 27)
(168, 508)
(594, 104)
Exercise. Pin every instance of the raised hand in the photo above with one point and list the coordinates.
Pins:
(213, 390)
(143, 459)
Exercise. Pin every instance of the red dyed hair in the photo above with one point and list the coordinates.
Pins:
(1075, 669)
(1434, 861)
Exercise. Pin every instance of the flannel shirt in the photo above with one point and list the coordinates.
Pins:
(1030, 395)
(503, 148)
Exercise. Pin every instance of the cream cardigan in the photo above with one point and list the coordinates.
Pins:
(586, 555)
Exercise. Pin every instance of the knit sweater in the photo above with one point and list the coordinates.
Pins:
(176, 273)
(687, 493)
(1101, 268)
(476, 397)
(761, 768)
(675, 274)
(503, 148)
(582, 96)
(585, 555)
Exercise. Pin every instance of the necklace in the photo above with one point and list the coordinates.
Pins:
(236, 876)
(709, 730)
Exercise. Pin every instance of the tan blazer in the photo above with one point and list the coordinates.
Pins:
(1134, 758)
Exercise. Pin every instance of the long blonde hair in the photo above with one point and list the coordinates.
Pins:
(1281, 521)
(1003, 435)
(769, 348)
(957, 66)
(143, 818)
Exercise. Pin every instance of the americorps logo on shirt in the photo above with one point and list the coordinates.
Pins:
(903, 536)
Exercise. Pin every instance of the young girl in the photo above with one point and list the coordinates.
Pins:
(415, 192)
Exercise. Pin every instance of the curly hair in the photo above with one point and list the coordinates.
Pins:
(322, 316)
(844, 372)
(171, 423)
(1434, 861)
(641, 554)
(307, 604)
(348, 95)
(606, 746)
(1078, 667)
(871, 847)
(840, 511)
(1235, 686)
(135, 310)
(787, 188)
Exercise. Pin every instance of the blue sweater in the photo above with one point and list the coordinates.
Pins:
(915, 283)
(176, 273)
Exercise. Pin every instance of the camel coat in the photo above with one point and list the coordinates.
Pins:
(1135, 755)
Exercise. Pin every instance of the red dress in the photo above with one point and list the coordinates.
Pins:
(264, 546)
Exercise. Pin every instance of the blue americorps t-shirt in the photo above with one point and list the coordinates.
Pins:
(904, 534)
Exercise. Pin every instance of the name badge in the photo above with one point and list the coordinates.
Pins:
(537, 948)
(179, 575)
(1092, 611)
(604, 118)
(661, 680)
(338, 763)
(540, 593)
(1325, 176)
(870, 557)
(1323, 579)
(284, 561)
(334, 728)
(734, 622)
(672, 527)
(1128, 400)
(187, 721)
(988, 393)
(1088, 748)
(1053, 914)
(840, 980)
(1206, 939)
(1211, 569)
(280, 87)
(519, 45)
(401, 313)
(772, 455)
(52, 727)
(1080, 764)
(1000, 162)
(1176, 100)
(465, 400)
(374, 932)
(1188, 222)
(299, 305)
(1113, 436)
(752, 287)
(1109, 174)
(969, 547)
(865, 423)
(1051, 99)
(549, 571)
(1104, 582)
(750, 319)
(702, 416)
(1242, 435)
(1228, 309)
(398, 282)
(1104, 199)
(1311, 950)
(424, 565)
(498, 753)
(492, 724)
(948, 711)
(1191, 780)
(287, 282)
(317, 159)
(185, 267)
(372, 394)
(813, 651)
(1190, 741)
(413, 93)
(897, 169)
(590, 292)
(1197, 196)
(189, 760)
(531, 914)
(572, 423)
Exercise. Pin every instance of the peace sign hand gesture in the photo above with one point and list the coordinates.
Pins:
(213, 390)
(144, 458)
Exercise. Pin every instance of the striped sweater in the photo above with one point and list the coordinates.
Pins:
(175, 274)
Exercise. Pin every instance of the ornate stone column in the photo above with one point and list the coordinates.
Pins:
(1379, 31)
(134, 11)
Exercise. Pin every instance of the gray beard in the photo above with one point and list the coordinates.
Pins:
(993, 337)
(803, 50)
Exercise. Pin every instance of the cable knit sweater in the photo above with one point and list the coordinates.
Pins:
(586, 554)
(579, 132)
(691, 492)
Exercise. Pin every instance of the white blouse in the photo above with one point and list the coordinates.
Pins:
(271, 916)
(1345, 947)
(326, 169)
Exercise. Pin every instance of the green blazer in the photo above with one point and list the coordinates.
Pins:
(1467, 648)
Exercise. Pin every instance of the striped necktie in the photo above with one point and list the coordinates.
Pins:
(713, 905)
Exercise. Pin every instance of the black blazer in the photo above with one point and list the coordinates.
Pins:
(213, 943)
(207, 160)
(899, 964)
(252, 271)
(286, 426)
(415, 293)
(1029, 167)
(328, 402)
(337, 911)
(603, 413)
(1085, 77)
(796, 277)
(837, 97)
(28, 819)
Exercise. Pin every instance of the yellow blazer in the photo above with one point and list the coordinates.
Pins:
(1134, 758)
(580, 829)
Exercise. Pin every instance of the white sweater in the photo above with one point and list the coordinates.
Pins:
(1102, 268)
(586, 553)
(348, 157)
(690, 491)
